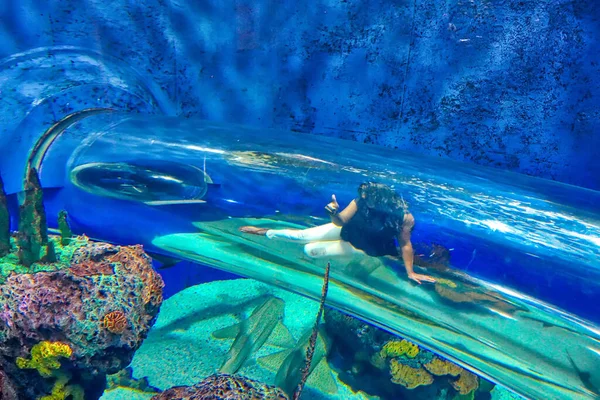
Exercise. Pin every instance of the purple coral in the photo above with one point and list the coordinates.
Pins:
(68, 307)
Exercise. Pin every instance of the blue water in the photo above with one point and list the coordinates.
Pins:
(509, 84)
(528, 243)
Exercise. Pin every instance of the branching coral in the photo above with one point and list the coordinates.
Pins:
(44, 357)
(441, 367)
(397, 348)
(115, 322)
(409, 377)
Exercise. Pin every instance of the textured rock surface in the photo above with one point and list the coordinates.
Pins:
(7, 389)
(61, 306)
(511, 84)
(224, 387)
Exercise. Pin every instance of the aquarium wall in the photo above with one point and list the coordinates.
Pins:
(509, 84)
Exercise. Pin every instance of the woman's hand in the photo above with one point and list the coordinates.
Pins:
(333, 206)
(419, 277)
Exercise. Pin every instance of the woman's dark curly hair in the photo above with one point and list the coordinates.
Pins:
(381, 202)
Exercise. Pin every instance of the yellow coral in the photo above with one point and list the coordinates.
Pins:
(44, 357)
(397, 348)
(466, 383)
(442, 367)
(409, 377)
(61, 391)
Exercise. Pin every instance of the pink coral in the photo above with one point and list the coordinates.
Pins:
(62, 305)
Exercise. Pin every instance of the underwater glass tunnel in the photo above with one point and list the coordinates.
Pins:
(242, 249)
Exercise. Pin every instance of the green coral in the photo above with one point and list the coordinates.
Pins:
(62, 391)
(10, 264)
(44, 357)
(65, 230)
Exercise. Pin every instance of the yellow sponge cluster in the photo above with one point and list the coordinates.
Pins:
(397, 348)
(62, 391)
(409, 377)
(44, 357)
(466, 383)
(441, 367)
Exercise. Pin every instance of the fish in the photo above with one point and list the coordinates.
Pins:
(289, 363)
(265, 322)
(585, 378)
(548, 324)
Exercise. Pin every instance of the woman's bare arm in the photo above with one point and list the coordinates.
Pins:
(342, 218)
(407, 252)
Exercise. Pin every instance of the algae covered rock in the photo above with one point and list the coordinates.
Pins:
(33, 229)
(98, 301)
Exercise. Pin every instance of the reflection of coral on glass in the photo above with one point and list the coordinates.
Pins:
(115, 322)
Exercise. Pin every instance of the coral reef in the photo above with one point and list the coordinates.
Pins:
(71, 311)
(408, 376)
(397, 348)
(61, 390)
(440, 367)
(32, 237)
(466, 383)
(44, 357)
(382, 364)
(224, 387)
(115, 322)
(100, 308)
(4, 223)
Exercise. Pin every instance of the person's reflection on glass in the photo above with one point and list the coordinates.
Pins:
(376, 223)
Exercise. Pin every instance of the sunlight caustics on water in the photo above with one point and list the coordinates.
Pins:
(517, 304)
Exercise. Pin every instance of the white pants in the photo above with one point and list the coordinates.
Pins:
(321, 241)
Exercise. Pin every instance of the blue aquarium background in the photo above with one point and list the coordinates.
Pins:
(483, 114)
(509, 84)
